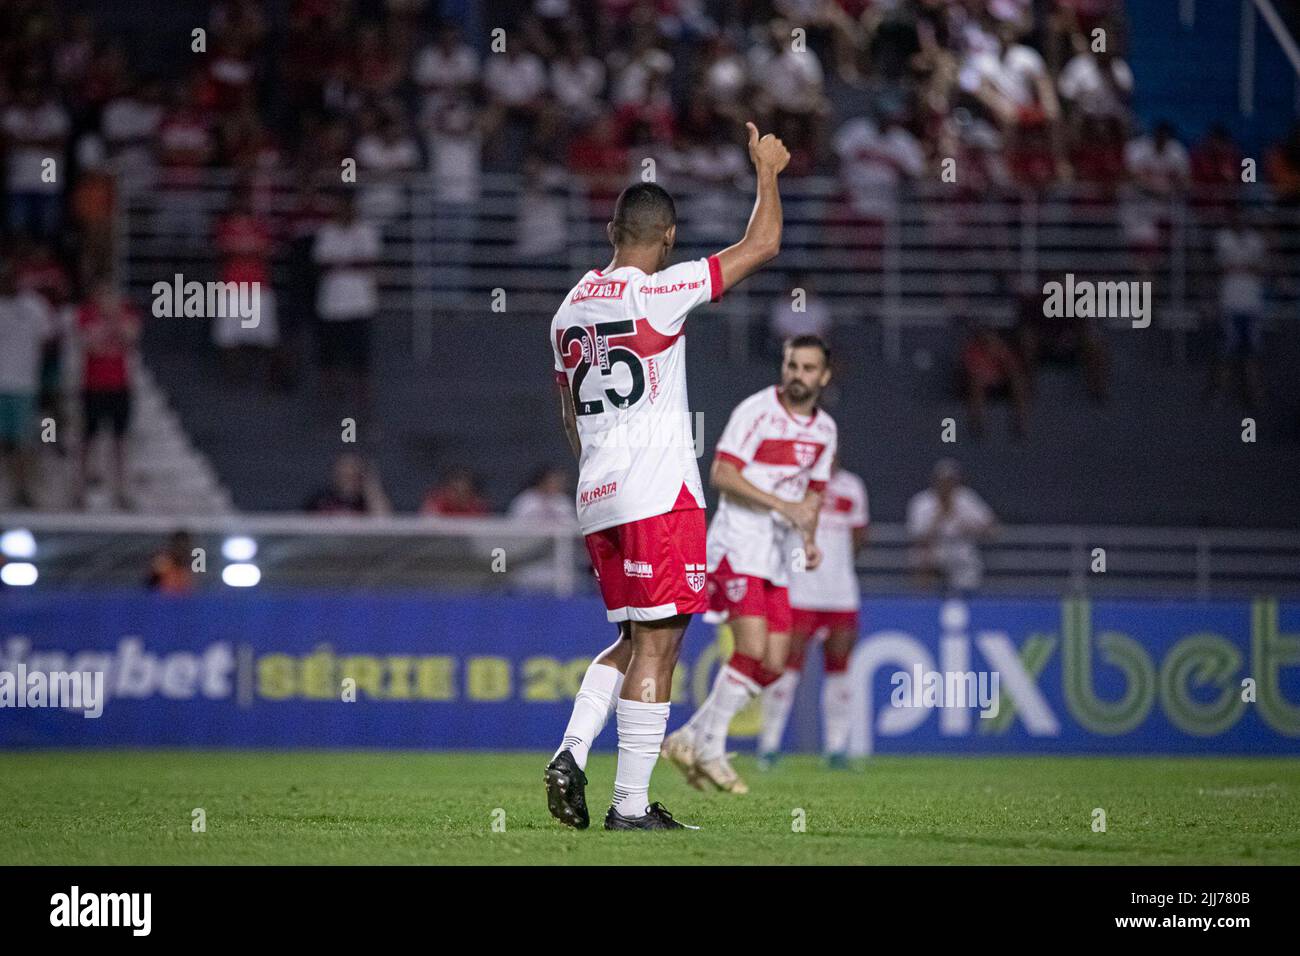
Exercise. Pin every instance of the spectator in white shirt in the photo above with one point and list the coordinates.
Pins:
(516, 84)
(1096, 84)
(346, 251)
(1160, 169)
(514, 79)
(130, 124)
(714, 165)
(947, 522)
(547, 501)
(577, 81)
(636, 75)
(547, 497)
(874, 163)
(25, 324)
(798, 310)
(1014, 86)
(1241, 254)
(384, 152)
(542, 226)
(726, 78)
(445, 70)
(1159, 163)
(36, 128)
(455, 143)
(791, 81)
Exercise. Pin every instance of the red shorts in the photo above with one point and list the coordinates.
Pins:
(653, 568)
(808, 623)
(743, 595)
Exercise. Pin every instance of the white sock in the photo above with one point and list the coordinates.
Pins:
(641, 729)
(837, 700)
(701, 716)
(591, 710)
(734, 691)
(778, 699)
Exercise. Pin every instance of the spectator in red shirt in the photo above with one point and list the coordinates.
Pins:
(457, 496)
(1216, 166)
(1098, 154)
(990, 369)
(1283, 165)
(110, 330)
(597, 155)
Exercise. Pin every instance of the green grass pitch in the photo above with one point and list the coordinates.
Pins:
(136, 807)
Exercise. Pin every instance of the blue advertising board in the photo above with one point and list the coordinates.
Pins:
(249, 669)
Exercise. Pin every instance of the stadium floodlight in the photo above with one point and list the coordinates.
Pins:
(241, 575)
(239, 547)
(18, 544)
(19, 574)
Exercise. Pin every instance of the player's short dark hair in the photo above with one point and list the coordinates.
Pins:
(810, 341)
(642, 214)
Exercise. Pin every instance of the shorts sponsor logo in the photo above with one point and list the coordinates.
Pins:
(598, 493)
(695, 576)
(638, 569)
(736, 588)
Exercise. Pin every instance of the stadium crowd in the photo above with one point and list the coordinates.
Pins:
(1021, 93)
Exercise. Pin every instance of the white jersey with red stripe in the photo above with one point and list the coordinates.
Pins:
(833, 584)
(619, 343)
(777, 453)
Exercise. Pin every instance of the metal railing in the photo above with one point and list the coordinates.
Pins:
(937, 252)
(499, 554)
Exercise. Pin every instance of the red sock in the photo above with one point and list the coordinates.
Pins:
(751, 667)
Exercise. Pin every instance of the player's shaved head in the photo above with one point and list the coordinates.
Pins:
(643, 214)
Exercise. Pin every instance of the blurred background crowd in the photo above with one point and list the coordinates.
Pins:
(1021, 96)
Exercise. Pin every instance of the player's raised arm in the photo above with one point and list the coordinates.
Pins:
(762, 239)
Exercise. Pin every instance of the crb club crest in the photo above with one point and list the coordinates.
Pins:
(805, 453)
(736, 588)
(695, 576)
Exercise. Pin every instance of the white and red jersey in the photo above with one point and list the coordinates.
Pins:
(833, 584)
(620, 345)
(781, 454)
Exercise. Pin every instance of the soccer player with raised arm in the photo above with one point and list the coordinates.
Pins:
(771, 466)
(620, 362)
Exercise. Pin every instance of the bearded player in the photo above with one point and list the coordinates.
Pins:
(824, 605)
(771, 464)
(620, 361)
